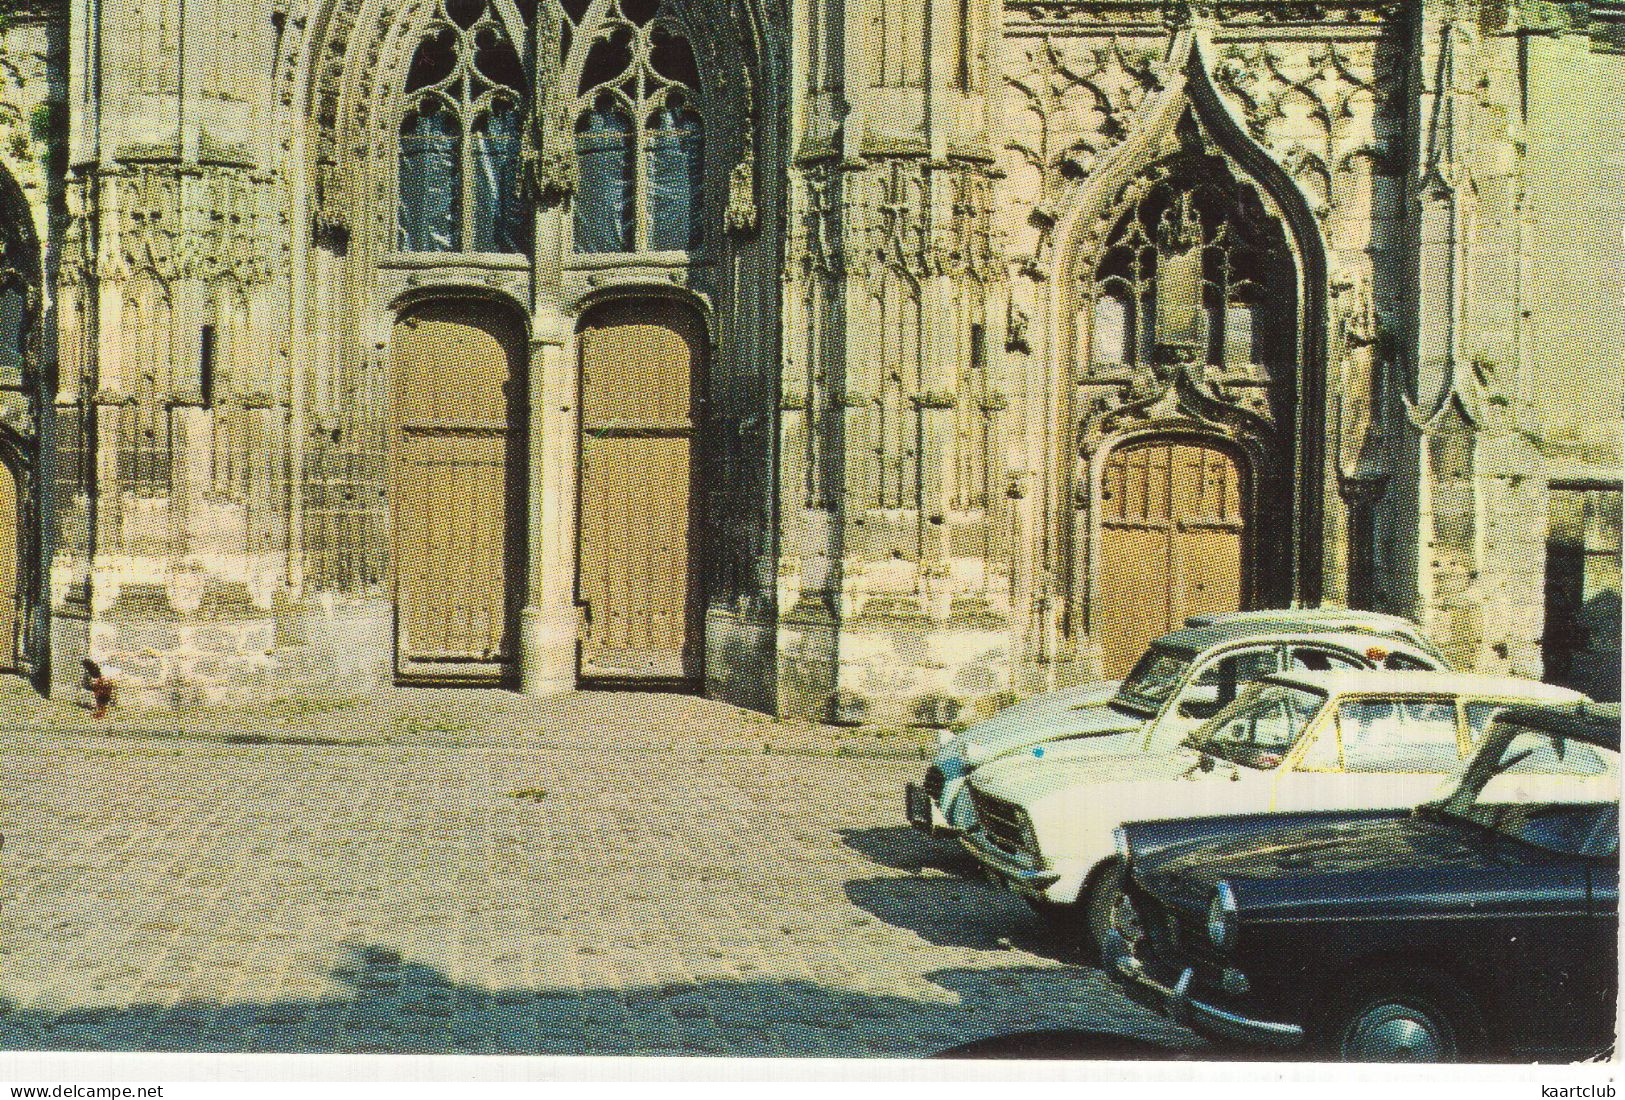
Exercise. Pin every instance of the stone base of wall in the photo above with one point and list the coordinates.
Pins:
(807, 638)
(739, 660)
(895, 663)
(337, 649)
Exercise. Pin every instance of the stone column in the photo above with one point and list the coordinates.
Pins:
(548, 627)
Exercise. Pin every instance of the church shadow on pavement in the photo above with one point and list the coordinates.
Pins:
(382, 1004)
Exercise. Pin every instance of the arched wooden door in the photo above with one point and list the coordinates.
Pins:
(1172, 539)
(637, 585)
(458, 490)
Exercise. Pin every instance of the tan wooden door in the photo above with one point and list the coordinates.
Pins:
(8, 570)
(1171, 537)
(637, 586)
(457, 522)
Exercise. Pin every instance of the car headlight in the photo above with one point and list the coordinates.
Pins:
(1221, 917)
(951, 762)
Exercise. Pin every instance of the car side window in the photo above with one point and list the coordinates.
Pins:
(1314, 659)
(1324, 753)
(1216, 685)
(1398, 735)
(1404, 662)
(1478, 718)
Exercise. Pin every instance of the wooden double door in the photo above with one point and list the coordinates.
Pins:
(1173, 543)
(458, 484)
(638, 586)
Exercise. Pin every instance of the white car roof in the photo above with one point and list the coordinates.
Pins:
(1200, 639)
(1393, 682)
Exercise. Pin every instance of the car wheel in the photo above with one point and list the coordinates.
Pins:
(1105, 909)
(1390, 1018)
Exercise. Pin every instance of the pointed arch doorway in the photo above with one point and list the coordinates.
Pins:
(1198, 330)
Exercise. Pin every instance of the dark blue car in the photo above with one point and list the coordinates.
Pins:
(1483, 925)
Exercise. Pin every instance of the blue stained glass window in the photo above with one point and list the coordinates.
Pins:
(605, 198)
(501, 214)
(676, 144)
(430, 214)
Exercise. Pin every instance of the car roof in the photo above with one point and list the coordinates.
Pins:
(1361, 681)
(1202, 638)
(1594, 722)
(1304, 614)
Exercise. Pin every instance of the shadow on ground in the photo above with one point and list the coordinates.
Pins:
(952, 912)
(1073, 1045)
(903, 848)
(385, 1005)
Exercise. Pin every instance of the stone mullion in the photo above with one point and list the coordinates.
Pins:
(548, 622)
(105, 428)
(938, 426)
(992, 415)
(852, 400)
(795, 443)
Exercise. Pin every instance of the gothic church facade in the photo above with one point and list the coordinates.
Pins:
(858, 360)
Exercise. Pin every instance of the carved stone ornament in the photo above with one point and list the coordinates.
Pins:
(741, 215)
(547, 153)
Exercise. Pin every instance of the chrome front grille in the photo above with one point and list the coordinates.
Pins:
(1004, 823)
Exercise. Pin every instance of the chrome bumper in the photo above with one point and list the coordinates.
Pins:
(1001, 865)
(1176, 1003)
(924, 814)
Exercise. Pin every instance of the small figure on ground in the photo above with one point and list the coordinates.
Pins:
(99, 682)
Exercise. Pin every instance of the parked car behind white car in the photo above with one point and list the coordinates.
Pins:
(1180, 681)
(1290, 742)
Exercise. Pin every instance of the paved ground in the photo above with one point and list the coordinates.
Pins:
(471, 872)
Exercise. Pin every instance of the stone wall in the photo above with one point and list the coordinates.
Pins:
(908, 409)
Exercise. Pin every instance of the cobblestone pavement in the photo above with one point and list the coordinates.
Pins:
(573, 877)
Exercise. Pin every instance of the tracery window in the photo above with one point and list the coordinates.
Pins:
(1195, 272)
(640, 139)
(460, 136)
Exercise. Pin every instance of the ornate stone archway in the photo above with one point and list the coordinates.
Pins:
(1188, 306)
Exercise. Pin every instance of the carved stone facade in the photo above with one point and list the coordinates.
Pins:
(1029, 328)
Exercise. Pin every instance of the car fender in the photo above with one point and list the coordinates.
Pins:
(956, 805)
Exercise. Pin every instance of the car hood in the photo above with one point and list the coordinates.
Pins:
(1412, 861)
(1033, 782)
(1077, 712)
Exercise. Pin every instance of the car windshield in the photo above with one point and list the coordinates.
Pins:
(1542, 789)
(1154, 678)
(1261, 726)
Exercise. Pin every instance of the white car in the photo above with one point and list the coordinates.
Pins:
(1180, 681)
(1290, 742)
